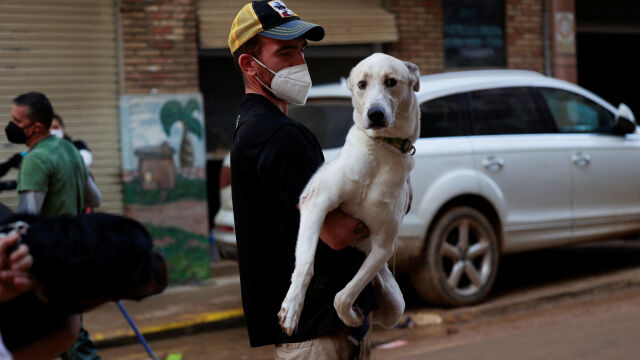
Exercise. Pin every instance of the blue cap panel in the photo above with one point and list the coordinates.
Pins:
(294, 29)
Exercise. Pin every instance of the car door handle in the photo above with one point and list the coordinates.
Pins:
(493, 163)
(581, 159)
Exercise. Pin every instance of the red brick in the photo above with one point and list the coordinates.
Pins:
(161, 30)
(159, 15)
(160, 42)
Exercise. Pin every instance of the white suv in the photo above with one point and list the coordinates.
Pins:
(507, 161)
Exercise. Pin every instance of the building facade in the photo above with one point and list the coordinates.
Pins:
(152, 82)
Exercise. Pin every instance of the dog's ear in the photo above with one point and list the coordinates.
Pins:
(414, 75)
(350, 81)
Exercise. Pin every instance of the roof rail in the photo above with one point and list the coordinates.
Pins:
(482, 73)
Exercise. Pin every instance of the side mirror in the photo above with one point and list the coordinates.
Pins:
(625, 121)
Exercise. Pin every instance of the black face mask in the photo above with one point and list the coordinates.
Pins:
(15, 134)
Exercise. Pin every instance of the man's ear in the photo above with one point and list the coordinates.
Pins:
(246, 65)
(39, 128)
(414, 75)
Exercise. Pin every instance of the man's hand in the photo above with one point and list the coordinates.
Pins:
(340, 230)
(14, 268)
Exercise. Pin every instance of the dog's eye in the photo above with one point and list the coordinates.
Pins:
(390, 82)
(362, 85)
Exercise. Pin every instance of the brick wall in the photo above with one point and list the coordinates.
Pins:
(524, 35)
(159, 46)
(420, 30)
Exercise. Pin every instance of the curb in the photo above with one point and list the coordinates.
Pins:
(531, 300)
(200, 323)
(537, 299)
(194, 323)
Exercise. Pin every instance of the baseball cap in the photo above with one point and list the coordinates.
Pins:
(272, 19)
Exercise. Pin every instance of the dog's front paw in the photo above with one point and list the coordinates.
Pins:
(289, 313)
(345, 310)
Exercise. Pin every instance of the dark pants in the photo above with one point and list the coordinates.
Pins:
(82, 349)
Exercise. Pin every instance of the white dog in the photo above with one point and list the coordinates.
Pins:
(368, 180)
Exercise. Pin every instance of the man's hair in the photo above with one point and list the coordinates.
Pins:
(40, 109)
(251, 47)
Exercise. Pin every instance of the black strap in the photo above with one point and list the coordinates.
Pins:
(357, 334)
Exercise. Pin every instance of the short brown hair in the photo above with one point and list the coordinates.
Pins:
(251, 47)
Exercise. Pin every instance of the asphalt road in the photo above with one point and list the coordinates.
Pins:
(601, 327)
(598, 326)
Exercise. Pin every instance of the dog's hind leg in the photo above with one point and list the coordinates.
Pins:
(343, 302)
(390, 299)
(312, 216)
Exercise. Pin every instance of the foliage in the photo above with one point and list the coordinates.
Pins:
(186, 254)
(184, 189)
(173, 111)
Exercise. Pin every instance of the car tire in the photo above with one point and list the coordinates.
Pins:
(458, 269)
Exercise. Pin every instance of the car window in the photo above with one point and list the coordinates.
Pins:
(328, 119)
(441, 117)
(507, 111)
(574, 113)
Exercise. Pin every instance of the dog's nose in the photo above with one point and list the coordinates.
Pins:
(376, 116)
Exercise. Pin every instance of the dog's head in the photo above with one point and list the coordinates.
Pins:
(383, 96)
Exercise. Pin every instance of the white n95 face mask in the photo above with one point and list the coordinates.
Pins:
(290, 84)
(57, 132)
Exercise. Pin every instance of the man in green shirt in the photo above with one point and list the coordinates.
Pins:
(52, 181)
(53, 166)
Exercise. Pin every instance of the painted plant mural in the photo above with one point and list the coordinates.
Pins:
(163, 160)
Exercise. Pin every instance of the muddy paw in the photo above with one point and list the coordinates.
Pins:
(289, 315)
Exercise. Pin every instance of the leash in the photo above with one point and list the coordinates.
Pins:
(357, 334)
(135, 329)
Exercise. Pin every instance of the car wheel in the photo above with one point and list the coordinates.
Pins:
(461, 259)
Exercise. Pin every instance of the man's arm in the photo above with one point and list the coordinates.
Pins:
(340, 230)
(31, 202)
(93, 196)
(53, 344)
(13, 162)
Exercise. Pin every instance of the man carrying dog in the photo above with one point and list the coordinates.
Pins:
(272, 159)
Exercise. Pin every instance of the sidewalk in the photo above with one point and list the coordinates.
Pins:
(211, 304)
(216, 304)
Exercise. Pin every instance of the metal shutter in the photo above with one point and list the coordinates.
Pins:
(345, 21)
(65, 49)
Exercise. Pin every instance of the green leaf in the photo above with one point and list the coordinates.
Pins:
(191, 106)
(193, 125)
(171, 112)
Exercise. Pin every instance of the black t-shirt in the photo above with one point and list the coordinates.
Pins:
(272, 159)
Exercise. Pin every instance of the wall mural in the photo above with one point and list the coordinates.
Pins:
(164, 182)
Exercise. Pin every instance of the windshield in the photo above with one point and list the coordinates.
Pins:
(328, 119)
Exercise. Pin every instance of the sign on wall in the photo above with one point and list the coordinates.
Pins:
(164, 182)
(565, 33)
(473, 33)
